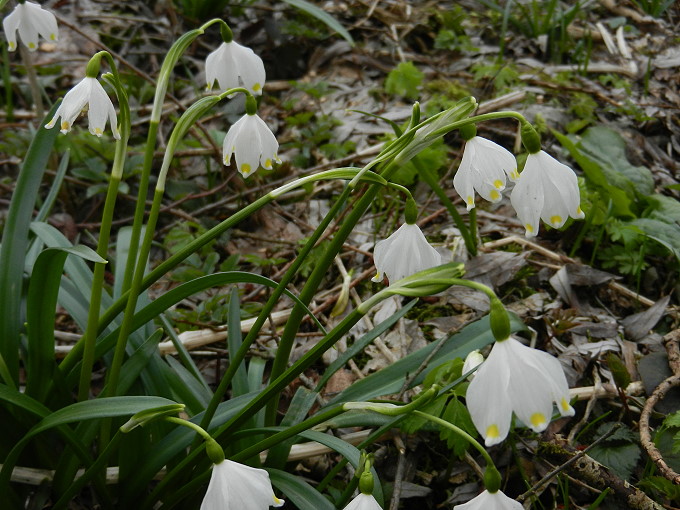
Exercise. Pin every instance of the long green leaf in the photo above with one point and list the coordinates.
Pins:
(299, 492)
(54, 189)
(322, 16)
(361, 344)
(15, 245)
(176, 295)
(390, 379)
(41, 307)
(239, 384)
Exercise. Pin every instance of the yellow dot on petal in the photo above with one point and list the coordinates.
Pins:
(556, 220)
(278, 501)
(257, 87)
(514, 174)
(471, 200)
(98, 131)
(579, 212)
(529, 228)
(245, 169)
(538, 420)
(498, 183)
(53, 37)
(31, 45)
(267, 163)
(492, 432)
(495, 195)
(12, 46)
(564, 404)
(65, 125)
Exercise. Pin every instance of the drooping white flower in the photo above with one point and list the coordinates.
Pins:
(363, 502)
(234, 486)
(233, 65)
(253, 144)
(404, 253)
(483, 169)
(516, 378)
(490, 501)
(89, 92)
(547, 190)
(30, 20)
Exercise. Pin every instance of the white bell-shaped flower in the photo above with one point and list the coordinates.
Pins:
(547, 190)
(88, 93)
(233, 65)
(490, 501)
(404, 253)
(234, 486)
(363, 502)
(30, 20)
(483, 169)
(516, 378)
(253, 144)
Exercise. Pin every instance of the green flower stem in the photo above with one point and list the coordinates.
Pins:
(91, 330)
(315, 278)
(236, 359)
(430, 179)
(267, 395)
(173, 261)
(97, 468)
(287, 433)
(461, 433)
(186, 423)
(175, 52)
(472, 217)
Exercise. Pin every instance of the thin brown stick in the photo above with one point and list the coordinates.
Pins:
(671, 343)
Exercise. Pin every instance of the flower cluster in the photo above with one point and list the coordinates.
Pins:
(546, 189)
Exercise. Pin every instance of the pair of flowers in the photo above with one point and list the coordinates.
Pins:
(546, 189)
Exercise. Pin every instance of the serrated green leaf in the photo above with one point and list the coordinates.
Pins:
(457, 413)
(412, 424)
(621, 459)
(404, 81)
(665, 208)
(672, 420)
(608, 149)
(445, 373)
(667, 234)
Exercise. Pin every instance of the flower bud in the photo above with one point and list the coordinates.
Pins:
(530, 138)
(499, 320)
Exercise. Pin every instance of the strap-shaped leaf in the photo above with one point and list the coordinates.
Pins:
(322, 16)
(41, 305)
(15, 244)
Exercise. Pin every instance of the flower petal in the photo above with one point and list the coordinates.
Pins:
(249, 67)
(43, 20)
(490, 501)
(234, 486)
(527, 196)
(486, 398)
(10, 25)
(363, 502)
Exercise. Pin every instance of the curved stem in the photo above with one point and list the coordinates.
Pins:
(461, 433)
(93, 315)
